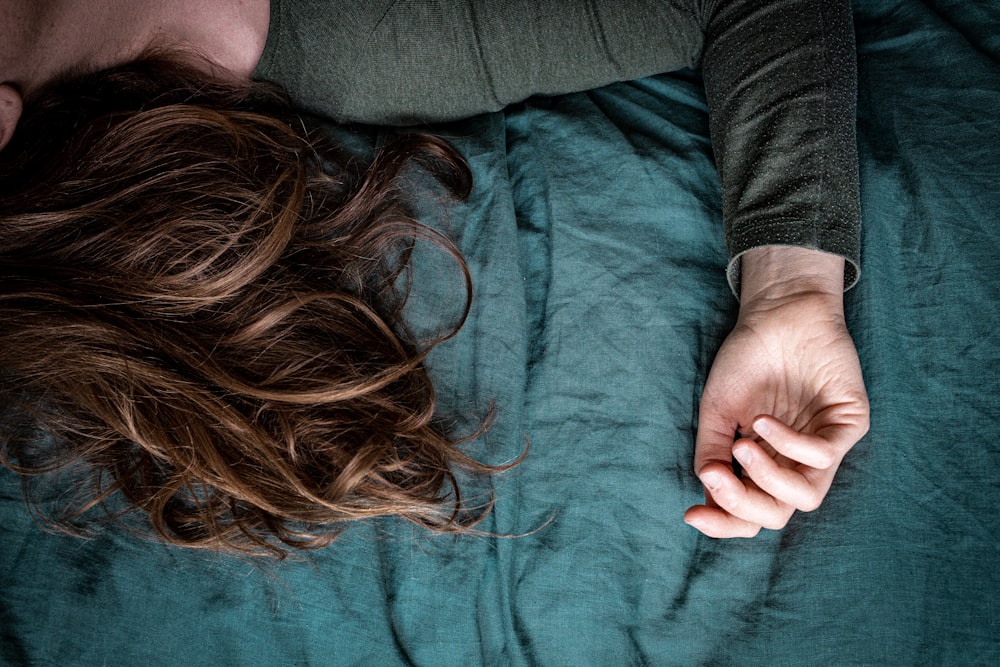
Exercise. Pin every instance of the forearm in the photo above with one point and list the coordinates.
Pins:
(780, 78)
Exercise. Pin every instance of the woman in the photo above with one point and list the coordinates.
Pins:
(779, 80)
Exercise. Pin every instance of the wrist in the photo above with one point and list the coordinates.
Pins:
(776, 274)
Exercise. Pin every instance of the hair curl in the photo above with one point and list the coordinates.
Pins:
(200, 301)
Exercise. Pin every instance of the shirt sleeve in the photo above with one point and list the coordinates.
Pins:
(406, 62)
(780, 80)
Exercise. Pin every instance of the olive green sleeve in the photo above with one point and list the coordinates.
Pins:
(403, 62)
(779, 75)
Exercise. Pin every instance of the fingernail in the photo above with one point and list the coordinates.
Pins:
(762, 427)
(711, 480)
(743, 454)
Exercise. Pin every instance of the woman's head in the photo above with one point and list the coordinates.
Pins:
(199, 302)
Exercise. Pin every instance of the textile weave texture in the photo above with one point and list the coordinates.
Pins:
(595, 238)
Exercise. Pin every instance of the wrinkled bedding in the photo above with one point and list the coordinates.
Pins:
(595, 239)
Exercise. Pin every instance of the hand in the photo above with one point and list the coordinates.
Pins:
(788, 381)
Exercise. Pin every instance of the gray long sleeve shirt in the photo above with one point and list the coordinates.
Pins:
(779, 76)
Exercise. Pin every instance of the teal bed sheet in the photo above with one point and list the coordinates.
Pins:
(595, 239)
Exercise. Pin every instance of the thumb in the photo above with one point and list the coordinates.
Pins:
(714, 438)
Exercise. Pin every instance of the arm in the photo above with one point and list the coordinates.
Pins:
(785, 395)
(781, 82)
(779, 76)
(407, 63)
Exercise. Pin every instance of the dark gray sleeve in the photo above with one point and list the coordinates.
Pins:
(781, 83)
(779, 74)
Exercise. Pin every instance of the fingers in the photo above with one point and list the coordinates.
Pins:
(736, 507)
(716, 523)
(796, 488)
(744, 500)
(821, 451)
(773, 487)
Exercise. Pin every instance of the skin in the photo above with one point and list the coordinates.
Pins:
(785, 395)
(43, 39)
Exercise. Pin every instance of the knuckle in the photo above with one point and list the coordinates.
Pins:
(765, 478)
(826, 459)
(811, 501)
(732, 502)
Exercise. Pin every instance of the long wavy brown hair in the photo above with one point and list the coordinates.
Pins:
(200, 313)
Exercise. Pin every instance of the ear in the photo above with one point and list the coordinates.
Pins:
(10, 112)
